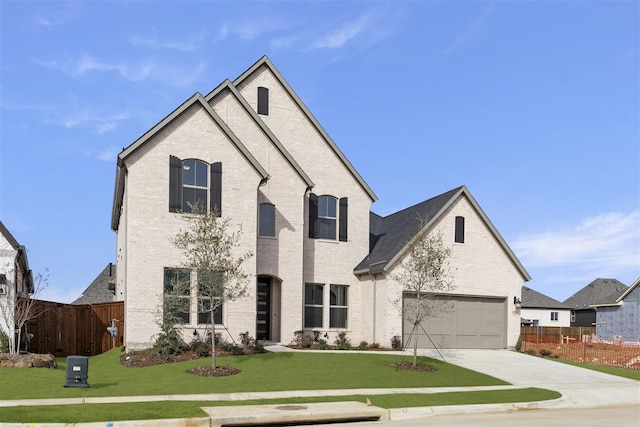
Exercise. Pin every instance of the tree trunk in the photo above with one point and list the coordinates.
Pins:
(213, 341)
(415, 346)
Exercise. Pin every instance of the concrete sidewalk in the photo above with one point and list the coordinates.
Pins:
(580, 388)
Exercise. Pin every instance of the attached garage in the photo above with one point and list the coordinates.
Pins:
(470, 322)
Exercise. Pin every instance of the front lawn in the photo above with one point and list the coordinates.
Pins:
(259, 372)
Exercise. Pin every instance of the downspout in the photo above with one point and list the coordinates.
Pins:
(375, 297)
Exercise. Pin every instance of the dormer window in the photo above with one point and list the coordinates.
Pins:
(263, 101)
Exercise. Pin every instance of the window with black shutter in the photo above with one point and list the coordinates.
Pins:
(263, 101)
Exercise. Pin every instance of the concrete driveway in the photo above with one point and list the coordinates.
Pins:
(579, 387)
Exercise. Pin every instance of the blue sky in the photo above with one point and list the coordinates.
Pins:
(534, 106)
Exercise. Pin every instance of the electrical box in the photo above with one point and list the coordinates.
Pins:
(77, 371)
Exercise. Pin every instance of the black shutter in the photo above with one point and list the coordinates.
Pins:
(313, 214)
(343, 219)
(263, 101)
(215, 202)
(175, 184)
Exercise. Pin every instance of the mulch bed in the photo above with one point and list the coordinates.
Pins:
(148, 357)
(408, 366)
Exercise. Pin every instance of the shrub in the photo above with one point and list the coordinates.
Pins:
(396, 342)
(245, 338)
(519, 344)
(363, 345)
(167, 343)
(544, 352)
(258, 347)
(342, 342)
(531, 352)
(374, 345)
(235, 349)
(4, 342)
(298, 337)
(200, 347)
(322, 344)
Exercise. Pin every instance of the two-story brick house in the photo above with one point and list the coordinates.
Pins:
(252, 149)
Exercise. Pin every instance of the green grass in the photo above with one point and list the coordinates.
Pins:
(620, 372)
(192, 409)
(259, 372)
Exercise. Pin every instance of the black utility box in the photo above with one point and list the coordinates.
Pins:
(77, 371)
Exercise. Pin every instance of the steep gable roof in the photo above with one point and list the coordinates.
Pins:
(198, 100)
(98, 291)
(228, 86)
(595, 291)
(265, 62)
(392, 235)
(22, 258)
(534, 299)
(616, 298)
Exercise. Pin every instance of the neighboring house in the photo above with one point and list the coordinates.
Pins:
(581, 312)
(619, 315)
(322, 261)
(540, 310)
(16, 279)
(102, 289)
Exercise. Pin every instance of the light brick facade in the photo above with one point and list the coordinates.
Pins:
(280, 158)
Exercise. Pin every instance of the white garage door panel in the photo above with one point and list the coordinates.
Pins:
(472, 322)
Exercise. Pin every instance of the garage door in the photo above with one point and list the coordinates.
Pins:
(470, 322)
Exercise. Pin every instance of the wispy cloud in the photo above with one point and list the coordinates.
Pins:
(176, 76)
(57, 18)
(607, 242)
(253, 27)
(368, 28)
(86, 118)
(472, 30)
(192, 42)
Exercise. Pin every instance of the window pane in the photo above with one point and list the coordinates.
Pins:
(313, 294)
(195, 196)
(202, 175)
(338, 295)
(313, 317)
(338, 318)
(326, 228)
(459, 229)
(189, 172)
(267, 220)
(327, 206)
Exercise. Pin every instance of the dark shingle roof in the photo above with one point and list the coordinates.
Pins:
(534, 299)
(391, 233)
(98, 291)
(596, 292)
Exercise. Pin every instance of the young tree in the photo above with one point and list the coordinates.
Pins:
(20, 307)
(425, 275)
(209, 245)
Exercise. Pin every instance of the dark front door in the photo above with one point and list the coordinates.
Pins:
(263, 318)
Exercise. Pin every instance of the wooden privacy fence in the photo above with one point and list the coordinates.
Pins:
(556, 334)
(65, 329)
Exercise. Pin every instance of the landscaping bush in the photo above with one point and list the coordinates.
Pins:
(531, 352)
(342, 342)
(363, 345)
(544, 352)
(396, 342)
(519, 344)
(4, 342)
(374, 345)
(322, 344)
(201, 348)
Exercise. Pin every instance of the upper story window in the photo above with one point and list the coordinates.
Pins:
(267, 220)
(459, 229)
(328, 217)
(263, 101)
(194, 181)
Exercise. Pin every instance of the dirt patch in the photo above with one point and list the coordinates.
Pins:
(406, 366)
(622, 356)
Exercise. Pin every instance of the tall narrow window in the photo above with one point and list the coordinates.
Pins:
(177, 292)
(195, 181)
(338, 306)
(554, 315)
(573, 316)
(267, 220)
(313, 305)
(209, 292)
(459, 233)
(263, 101)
